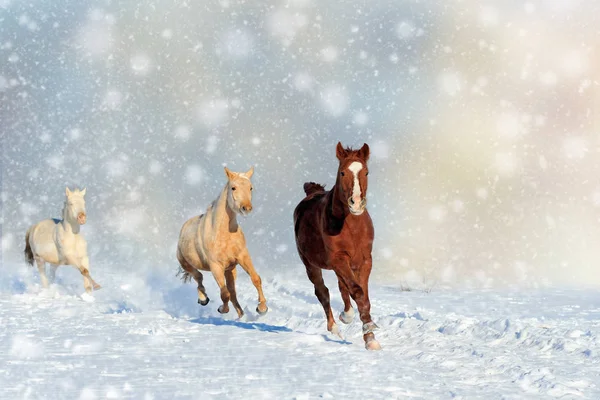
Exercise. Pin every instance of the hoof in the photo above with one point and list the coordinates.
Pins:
(222, 310)
(97, 286)
(347, 317)
(262, 312)
(335, 330)
(369, 327)
(203, 302)
(372, 344)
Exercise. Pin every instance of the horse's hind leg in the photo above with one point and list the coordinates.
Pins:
(197, 275)
(347, 315)
(230, 276)
(202, 297)
(52, 275)
(315, 274)
(41, 265)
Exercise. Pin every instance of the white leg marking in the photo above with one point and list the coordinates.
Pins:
(347, 317)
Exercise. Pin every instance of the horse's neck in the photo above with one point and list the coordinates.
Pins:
(223, 218)
(335, 206)
(68, 224)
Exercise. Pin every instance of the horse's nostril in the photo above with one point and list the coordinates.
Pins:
(351, 201)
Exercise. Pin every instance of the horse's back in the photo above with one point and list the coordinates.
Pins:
(44, 229)
(189, 229)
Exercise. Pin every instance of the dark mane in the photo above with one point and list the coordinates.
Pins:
(312, 187)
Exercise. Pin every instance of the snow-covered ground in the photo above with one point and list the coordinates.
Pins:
(145, 337)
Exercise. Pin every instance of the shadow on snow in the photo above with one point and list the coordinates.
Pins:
(240, 324)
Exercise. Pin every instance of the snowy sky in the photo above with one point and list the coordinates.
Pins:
(480, 118)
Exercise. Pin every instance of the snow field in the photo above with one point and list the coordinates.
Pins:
(146, 337)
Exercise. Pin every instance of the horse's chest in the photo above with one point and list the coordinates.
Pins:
(356, 250)
(71, 244)
(226, 250)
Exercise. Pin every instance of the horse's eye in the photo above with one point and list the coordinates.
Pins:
(233, 188)
(367, 173)
(251, 188)
(342, 173)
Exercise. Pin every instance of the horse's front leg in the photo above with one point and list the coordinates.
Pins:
(359, 294)
(365, 314)
(85, 262)
(218, 272)
(83, 266)
(230, 276)
(315, 274)
(246, 263)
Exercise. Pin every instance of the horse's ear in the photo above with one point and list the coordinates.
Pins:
(249, 173)
(230, 174)
(364, 152)
(83, 191)
(340, 152)
(68, 192)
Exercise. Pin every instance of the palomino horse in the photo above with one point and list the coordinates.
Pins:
(59, 242)
(334, 231)
(215, 242)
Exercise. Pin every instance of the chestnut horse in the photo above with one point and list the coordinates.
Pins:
(334, 231)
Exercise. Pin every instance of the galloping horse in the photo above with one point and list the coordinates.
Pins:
(334, 231)
(215, 242)
(59, 242)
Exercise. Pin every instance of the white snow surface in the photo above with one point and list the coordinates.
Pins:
(145, 337)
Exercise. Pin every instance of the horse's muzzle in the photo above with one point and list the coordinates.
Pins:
(246, 209)
(81, 218)
(357, 207)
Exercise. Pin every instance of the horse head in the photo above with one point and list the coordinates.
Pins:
(239, 191)
(352, 178)
(75, 206)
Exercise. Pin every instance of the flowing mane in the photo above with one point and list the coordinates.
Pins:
(312, 187)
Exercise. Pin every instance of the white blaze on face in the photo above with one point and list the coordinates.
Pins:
(355, 167)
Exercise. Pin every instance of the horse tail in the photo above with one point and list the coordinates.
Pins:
(311, 187)
(185, 275)
(28, 252)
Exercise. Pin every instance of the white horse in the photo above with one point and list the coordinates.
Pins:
(59, 242)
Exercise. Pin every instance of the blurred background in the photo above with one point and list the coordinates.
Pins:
(482, 118)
